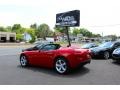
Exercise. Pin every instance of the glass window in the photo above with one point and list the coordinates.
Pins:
(39, 46)
(48, 47)
(117, 45)
(107, 44)
(88, 45)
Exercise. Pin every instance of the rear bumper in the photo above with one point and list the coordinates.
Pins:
(80, 63)
(78, 60)
(85, 62)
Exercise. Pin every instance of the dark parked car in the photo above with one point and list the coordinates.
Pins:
(116, 55)
(89, 45)
(104, 50)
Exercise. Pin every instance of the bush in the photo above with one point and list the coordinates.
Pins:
(19, 37)
(32, 34)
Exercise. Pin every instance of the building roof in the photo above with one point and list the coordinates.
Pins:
(7, 33)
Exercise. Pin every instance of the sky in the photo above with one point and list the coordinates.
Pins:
(98, 16)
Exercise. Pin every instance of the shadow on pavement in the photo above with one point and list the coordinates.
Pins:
(99, 59)
(116, 63)
(76, 72)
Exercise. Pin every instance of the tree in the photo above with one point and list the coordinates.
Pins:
(59, 29)
(32, 34)
(85, 32)
(17, 28)
(82, 31)
(19, 37)
(50, 33)
(33, 26)
(8, 29)
(96, 35)
(2, 29)
(43, 31)
(76, 31)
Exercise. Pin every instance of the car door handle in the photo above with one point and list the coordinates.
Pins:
(49, 53)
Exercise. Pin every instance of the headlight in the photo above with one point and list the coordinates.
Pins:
(116, 51)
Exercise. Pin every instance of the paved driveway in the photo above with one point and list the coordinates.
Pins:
(97, 73)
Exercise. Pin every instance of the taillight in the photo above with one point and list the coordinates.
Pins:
(88, 56)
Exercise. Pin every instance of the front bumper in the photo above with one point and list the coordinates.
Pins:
(116, 57)
(80, 63)
(97, 55)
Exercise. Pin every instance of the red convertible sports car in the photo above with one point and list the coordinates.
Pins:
(62, 59)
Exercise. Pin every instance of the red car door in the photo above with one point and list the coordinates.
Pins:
(34, 57)
(46, 55)
(46, 58)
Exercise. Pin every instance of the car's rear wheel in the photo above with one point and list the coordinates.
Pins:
(106, 55)
(23, 61)
(61, 66)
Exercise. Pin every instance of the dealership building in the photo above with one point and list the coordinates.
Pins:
(7, 37)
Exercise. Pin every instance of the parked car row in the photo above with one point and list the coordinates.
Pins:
(63, 59)
(105, 50)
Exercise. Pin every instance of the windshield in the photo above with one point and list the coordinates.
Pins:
(87, 45)
(39, 46)
(107, 44)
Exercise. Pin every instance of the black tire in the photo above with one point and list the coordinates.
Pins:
(82, 65)
(23, 61)
(61, 66)
(106, 55)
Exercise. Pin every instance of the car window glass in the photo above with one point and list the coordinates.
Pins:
(48, 47)
(107, 44)
(39, 46)
(86, 45)
(117, 45)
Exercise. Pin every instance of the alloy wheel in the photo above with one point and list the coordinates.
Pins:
(23, 61)
(61, 66)
(106, 55)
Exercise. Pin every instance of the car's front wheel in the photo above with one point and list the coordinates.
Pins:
(106, 55)
(61, 66)
(23, 61)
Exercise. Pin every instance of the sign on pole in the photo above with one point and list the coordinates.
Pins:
(69, 19)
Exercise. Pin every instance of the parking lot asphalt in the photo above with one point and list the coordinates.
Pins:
(98, 72)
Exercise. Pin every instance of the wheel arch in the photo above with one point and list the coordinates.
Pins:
(60, 56)
(24, 55)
